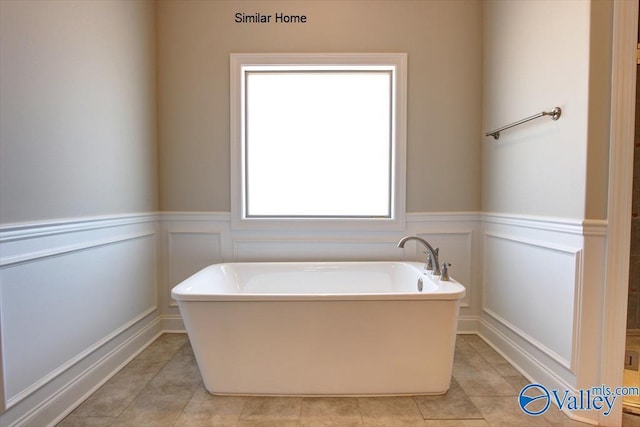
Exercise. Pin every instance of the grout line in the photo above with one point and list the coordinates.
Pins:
(166, 362)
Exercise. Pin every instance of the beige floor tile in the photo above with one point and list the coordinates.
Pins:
(478, 378)
(390, 412)
(330, 411)
(555, 417)
(205, 409)
(268, 423)
(165, 397)
(517, 382)
(186, 348)
(456, 423)
(498, 362)
(164, 348)
(504, 412)
(455, 404)
(155, 409)
(462, 345)
(180, 372)
(475, 342)
(163, 386)
(265, 411)
(114, 397)
(80, 421)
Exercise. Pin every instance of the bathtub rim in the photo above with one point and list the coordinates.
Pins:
(445, 290)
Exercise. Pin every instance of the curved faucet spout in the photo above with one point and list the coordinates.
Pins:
(432, 252)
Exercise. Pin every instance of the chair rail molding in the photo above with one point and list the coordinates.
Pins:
(90, 283)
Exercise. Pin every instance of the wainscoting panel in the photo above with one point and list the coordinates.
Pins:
(194, 240)
(80, 298)
(540, 281)
(527, 279)
(455, 248)
(73, 295)
(191, 251)
(317, 248)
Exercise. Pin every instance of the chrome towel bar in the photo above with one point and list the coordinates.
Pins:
(555, 115)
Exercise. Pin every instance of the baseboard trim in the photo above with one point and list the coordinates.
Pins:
(48, 407)
(468, 324)
(173, 324)
(527, 364)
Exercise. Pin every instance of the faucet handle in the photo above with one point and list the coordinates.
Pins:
(444, 271)
(429, 265)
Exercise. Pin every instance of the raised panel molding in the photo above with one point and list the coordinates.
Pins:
(59, 285)
(456, 248)
(452, 231)
(539, 266)
(37, 255)
(319, 248)
(548, 281)
(186, 241)
(190, 251)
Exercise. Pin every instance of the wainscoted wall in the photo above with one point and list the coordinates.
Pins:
(78, 300)
(529, 279)
(81, 298)
(542, 292)
(191, 241)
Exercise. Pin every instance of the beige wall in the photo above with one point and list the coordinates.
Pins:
(443, 40)
(537, 55)
(601, 41)
(77, 112)
(77, 122)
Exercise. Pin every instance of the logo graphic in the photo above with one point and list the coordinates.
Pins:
(534, 399)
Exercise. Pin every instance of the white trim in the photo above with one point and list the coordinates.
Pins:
(567, 235)
(519, 357)
(397, 220)
(273, 245)
(196, 216)
(563, 225)
(577, 254)
(28, 230)
(471, 216)
(411, 217)
(467, 234)
(528, 338)
(36, 255)
(595, 227)
(98, 367)
(27, 244)
(467, 325)
(173, 324)
(18, 397)
(623, 102)
(534, 242)
(170, 242)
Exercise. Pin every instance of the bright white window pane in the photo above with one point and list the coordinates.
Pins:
(318, 144)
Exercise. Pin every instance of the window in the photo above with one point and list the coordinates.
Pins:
(318, 139)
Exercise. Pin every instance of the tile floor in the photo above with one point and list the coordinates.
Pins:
(162, 387)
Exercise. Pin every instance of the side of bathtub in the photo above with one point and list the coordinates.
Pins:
(323, 347)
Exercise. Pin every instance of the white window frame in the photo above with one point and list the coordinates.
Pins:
(242, 63)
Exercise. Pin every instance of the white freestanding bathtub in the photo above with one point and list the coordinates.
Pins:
(336, 328)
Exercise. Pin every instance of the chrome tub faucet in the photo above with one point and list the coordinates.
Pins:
(432, 254)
